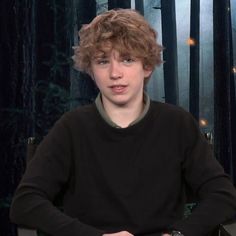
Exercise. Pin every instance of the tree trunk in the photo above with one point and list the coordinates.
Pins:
(139, 6)
(194, 58)
(53, 50)
(83, 89)
(169, 40)
(232, 102)
(222, 90)
(17, 68)
(118, 4)
(233, 124)
(86, 11)
(35, 71)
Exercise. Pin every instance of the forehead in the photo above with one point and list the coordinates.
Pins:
(111, 53)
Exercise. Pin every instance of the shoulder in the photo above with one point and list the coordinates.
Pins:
(79, 113)
(174, 117)
(78, 116)
(169, 110)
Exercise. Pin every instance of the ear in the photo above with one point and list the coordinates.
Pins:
(147, 71)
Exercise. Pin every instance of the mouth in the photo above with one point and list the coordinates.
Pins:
(118, 89)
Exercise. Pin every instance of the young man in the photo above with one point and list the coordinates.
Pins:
(124, 162)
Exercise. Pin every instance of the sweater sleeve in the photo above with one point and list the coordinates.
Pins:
(206, 177)
(46, 174)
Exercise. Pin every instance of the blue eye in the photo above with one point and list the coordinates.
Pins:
(128, 60)
(102, 61)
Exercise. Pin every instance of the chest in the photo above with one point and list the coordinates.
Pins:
(126, 164)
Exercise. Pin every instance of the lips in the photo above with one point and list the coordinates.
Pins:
(118, 88)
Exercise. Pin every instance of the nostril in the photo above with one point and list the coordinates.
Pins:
(116, 77)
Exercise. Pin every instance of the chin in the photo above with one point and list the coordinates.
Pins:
(120, 103)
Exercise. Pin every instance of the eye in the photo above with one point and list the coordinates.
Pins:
(128, 60)
(102, 61)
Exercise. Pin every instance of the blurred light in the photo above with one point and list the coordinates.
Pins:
(203, 122)
(209, 137)
(234, 69)
(191, 42)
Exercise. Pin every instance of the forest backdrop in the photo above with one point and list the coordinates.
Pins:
(38, 83)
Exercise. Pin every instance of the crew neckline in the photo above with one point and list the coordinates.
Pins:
(107, 119)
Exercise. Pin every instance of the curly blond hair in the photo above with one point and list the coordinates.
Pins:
(124, 30)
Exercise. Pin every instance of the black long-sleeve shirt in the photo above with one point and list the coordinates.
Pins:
(130, 178)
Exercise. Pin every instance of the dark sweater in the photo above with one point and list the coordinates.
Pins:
(130, 178)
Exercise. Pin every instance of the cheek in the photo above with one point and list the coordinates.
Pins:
(100, 82)
(98, 76)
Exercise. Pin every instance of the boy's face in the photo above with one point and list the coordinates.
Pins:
(120, 78)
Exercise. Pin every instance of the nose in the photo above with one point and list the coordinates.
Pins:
(115, 70)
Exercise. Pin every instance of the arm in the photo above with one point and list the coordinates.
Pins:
(206, 177)
(122, 233)
(46, 174)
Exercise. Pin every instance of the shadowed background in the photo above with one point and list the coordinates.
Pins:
(38, 83)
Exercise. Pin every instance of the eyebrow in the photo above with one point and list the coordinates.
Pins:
(100, 55)
(123, 55)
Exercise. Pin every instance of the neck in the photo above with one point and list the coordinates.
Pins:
(123, 115)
